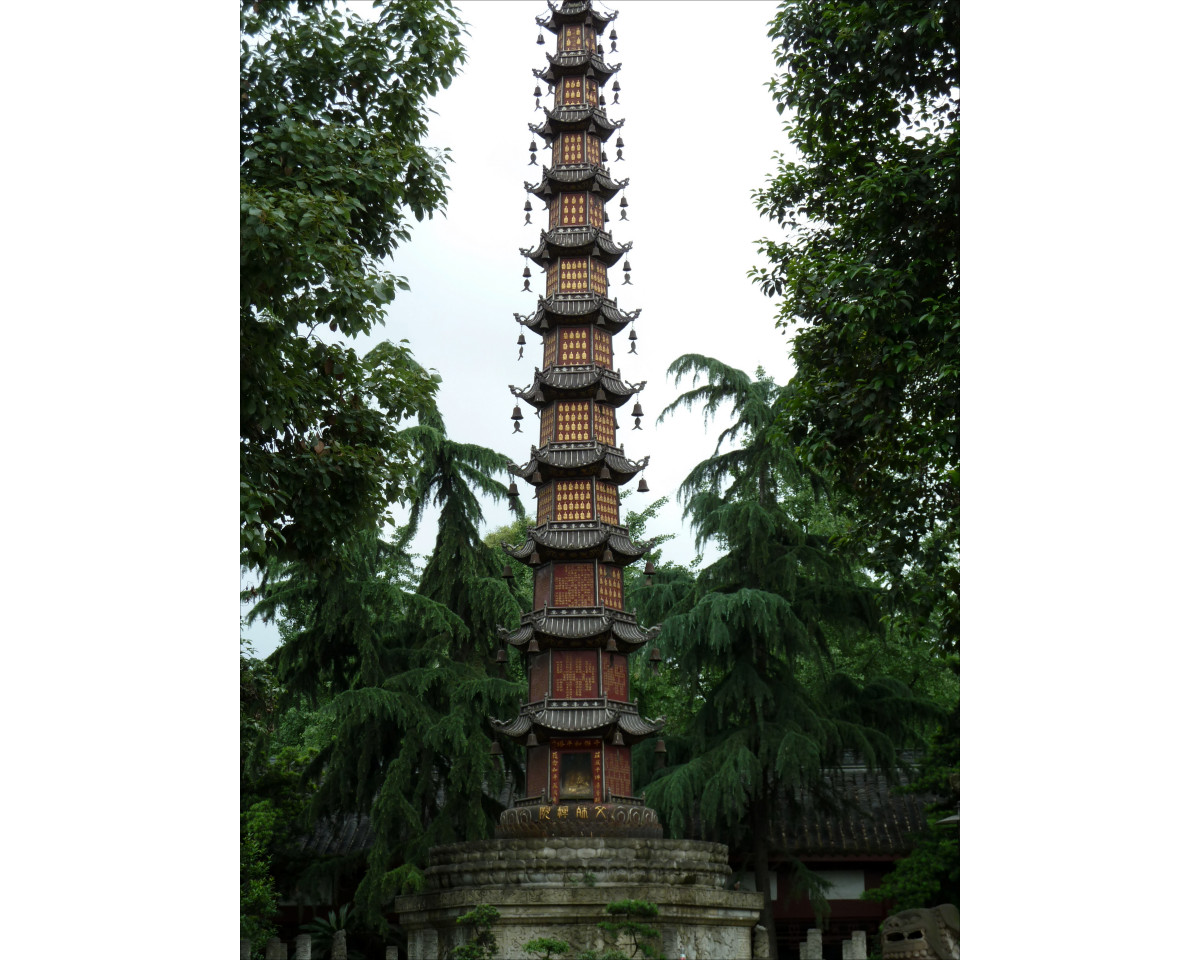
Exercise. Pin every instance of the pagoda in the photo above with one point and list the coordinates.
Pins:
(579, 722)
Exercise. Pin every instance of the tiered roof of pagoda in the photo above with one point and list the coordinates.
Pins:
(579, 722)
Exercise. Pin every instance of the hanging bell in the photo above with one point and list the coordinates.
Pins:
(625, 266)
(602, 101)
(605, 473)
(650, 569)
(502, 655)
(655, 660)
(643, 487)
(613, 37)
(624, 202)
(611, 646)
(618, 740)
(607, 556)
(633, 335)
(516, 415)
(537, 476)
(541, 39)
(534, 558)
(603, 157)
(531, 740)
(660, 754)
(521, 340)
(496, 752)
(620, 141)
(526, 273)
(512, 489)
(528, 211)
(537, 96)
(533, 646)
(507, 572)
(533, 146)
(637, 409)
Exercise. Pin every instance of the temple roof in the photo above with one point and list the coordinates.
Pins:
(576, 176)
(577, 242)
(568, 63)
(576, 117)
(575, 11)
(576, 459)
(596, 716)
(592, 624)
(578, 540)
(577, 308)
(567, 382)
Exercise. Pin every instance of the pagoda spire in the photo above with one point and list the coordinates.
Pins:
(578, 722)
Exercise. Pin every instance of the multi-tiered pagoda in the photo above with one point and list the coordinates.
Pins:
(579, 722)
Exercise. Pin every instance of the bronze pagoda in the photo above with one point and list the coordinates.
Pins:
(579, 723)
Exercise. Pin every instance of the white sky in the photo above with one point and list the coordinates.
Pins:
(696, 145)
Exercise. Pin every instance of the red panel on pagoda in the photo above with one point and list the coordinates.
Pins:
(616, 676)
(542, 580)
(575, 675)
(608, 503)
(616, 766)
(574, 36)
(574, 585)
(573, 500)
(612, 587)
(573, 421)
(537, 760)
(539, 676)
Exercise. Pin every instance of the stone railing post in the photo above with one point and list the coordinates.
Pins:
(811, 948)
(856, 947)
(303, 947)
(391, 953)
(245, 950)
(337, 950)
(761, 943)
(276, 950)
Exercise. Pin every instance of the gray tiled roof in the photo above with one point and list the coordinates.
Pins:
(574, 11)
(593, 625)
(576, 117)
(577, 308)
(579, 717)
(558, 383)
(578, 242)
(573, 459)
(568, 63)
(576, 176)
(578, 540)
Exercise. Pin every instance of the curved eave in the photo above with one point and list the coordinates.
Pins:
(577, 242)
(595, 717)
(561, 178)
(589, 626)
(569, 382)
(577, 308)
(571, 119)
(577, 459)
(568, 64)
(577, 540)
(575, 11)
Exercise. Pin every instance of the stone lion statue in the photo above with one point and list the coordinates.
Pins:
(922, 934)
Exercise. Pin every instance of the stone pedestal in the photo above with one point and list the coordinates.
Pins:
(558, 887)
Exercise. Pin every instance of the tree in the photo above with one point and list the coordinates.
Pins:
(870, 277)
(332, 168)
(750, 637)
(406, 672)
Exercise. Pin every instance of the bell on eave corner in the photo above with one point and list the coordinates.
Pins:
(618, 740)
(541, 39)
(607, 556)
(531, 740)
(507, 572)
(660, 754)
(502, 655)
(533, 646)
(537, 96)
(517, 417)
(613, 37)
(643, 487)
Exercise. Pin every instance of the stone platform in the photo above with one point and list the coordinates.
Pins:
(559, 886)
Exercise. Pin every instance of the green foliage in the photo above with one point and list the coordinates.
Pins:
(482, 945)
(632, 928)
(332, 167)
(258, 894)
(870, 279)
(398, 665)
(546, 948)
(322, 930)
(749, 637)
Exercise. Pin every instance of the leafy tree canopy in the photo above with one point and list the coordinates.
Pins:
(333, 112)
(870, 276)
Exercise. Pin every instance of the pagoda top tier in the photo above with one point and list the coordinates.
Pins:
(575, 11)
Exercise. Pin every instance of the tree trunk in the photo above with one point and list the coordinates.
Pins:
(759, 823)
